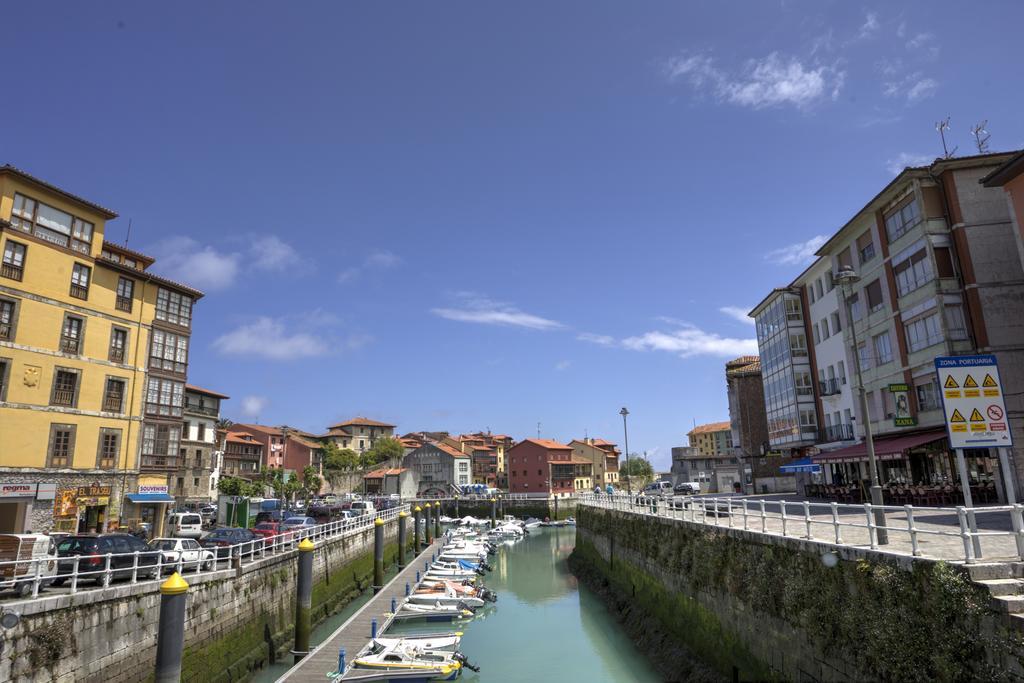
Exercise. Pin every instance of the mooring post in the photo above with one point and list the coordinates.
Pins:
(429, 530)
(437, 519)
(556, 507)
(401, 539)
(378, 555)
(303, 600)
(417, 544)
(457, 515)
(170, 639)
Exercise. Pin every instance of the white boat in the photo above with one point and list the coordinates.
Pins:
(447, 642)
(439, 665)
(472, 521)
(440, 599)
(411, 608)
(506, 531)
(532, 523)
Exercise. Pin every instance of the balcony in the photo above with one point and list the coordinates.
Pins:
(69, 345)
(64, 397)
(123, 303)
(11, 271)
(830, 387)
(197, 409)
(159, 462)
(6, 331)
(79, 292)
(833, 433)
(112, 403)
(116, 355)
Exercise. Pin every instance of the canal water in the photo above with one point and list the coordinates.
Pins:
(544, 627)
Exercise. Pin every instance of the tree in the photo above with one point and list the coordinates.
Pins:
(639, 467)
(385, 449)
(311, 482)
(339, 459)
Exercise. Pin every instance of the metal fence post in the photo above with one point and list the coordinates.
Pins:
(1018, 529)
(303, 600)
(426, 523)
(401, 539)
(871, 527)
(965, 534)
(745, 514)
(782, 507)
(912, 530)
(494, 511)
(170, 637)
(763, 520)
(835, 523)
(728, 510)
(437, 519)
(807, 520)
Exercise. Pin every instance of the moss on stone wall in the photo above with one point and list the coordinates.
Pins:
(924, 624)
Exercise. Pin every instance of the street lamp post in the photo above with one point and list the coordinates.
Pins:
(846, 278)
(625, 435)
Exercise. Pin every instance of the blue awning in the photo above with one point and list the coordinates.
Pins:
(801, 465)
(150, 498)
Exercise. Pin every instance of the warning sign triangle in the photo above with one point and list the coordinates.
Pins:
(977, 417)
(988, 381)
(957, 417)
(970, 383)
(950, 383)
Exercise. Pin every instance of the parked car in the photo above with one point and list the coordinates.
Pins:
(222, 540)
(208, 513)
(182, 552)
(22, 558)
(299, 527)
(93, 548)
(658, 488)
(685, 488)
(362, 507)
(185, 525)
(269, 530)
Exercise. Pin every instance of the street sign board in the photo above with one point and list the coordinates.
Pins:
(972, 400)
(902, 416)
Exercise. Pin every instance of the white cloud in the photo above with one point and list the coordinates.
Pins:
(913, 87)
(895, 166)
(925, 87)
(870, 25)
(378, 259)
(769, 82)
(474, 308)
(268, 338)
(738, 313)
(270, 253)
(252, 406)
(184, 259)
(563, 365)
(691, 341)
(797, 254)
(924, 44)
(901, 30)
(599, 339)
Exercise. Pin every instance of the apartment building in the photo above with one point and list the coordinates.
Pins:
(546, 467)
(760, 466)
(195, 480)
(488, 451)
(243, 455)
(93, 360)
(358, 434)
(603, 456)
(440, 468)
(284, 448)
(937, 272)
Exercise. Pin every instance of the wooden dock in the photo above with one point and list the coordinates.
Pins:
(354, 634)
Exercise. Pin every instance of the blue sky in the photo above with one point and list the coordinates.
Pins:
(472, 215)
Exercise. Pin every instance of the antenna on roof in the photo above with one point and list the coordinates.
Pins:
(981, 137)
(129, 235)
(942, 127)
(538, 430)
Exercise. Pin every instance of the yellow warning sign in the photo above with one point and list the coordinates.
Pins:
(976, 416)
(991, 392)
(988, 381)
(958, 427)
(957, 417)
(970, 383)
(950, 383)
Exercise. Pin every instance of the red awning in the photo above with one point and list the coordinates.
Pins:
(891, 448)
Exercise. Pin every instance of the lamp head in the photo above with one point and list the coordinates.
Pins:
(623, 412)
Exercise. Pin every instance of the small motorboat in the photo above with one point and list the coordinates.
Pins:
(410, 610)
(439, 665)
(457, 569)
(532, 523)
(468, 590)
(446, 642)
(441, 599)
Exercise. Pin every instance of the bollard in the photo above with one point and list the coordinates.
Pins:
(170, 639)
(437, 519)
(378, 555)
(457, 515)
(341, 661)
(494, 513)
(303, 600)
(408, 590)
(429, 530)
(401, 539)
(417, 578)
(373, 629)
(394, 605)
(556, 507)
(416, 529)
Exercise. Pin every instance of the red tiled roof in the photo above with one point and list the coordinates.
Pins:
(360, 422)
(384, 472)
(548, 444)
(711, 427)
(450, 450)
(242, 437)
(200, 390)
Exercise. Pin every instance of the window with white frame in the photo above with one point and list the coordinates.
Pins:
(168, 351)
(927, 396)
(902, 218)
(174, 307)
(923, 332)
(883, 348)
(956, 323)
(913, 271)
(864, 354)
(164, 397)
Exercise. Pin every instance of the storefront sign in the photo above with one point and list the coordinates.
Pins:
(901, 417)
(152, 488)
(972, 400)
(46, 491)
(17, 490)
(92, 496)
(64, 504)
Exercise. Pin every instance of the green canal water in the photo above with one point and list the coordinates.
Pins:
(544, 627)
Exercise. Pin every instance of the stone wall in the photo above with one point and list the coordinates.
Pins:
(237, 620)
(518, 507)
(765, 607)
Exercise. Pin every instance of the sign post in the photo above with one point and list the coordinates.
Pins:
(972, 401)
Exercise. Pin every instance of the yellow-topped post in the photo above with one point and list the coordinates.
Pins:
(494, 512)
(437, 519)
(378, 555)
(170, 638)
(416, 531)
(303, 600)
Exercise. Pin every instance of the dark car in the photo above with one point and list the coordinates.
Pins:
(222, 541)
(92, 550)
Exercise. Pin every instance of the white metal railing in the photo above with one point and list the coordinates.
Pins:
(29, 576)
(906, 526)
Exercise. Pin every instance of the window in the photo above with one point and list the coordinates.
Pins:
(901, 219)
(80, 281)
(113, 395)
(913, 271)
(944, 262)
(65, 388)
(13, 266)
(793, 313)
(50, 224)
(169, 352)
(798, 344)
(804, 385)
(810, 293)
(164, 397)
(865, 247)
(841, 367)
(817, 335)
(873, 293)
(927, 396)
(118, 344)
(71, 334)
(883, 348)
(174, 307)
(200, 432)
(125, 291)
(864, 355)
(61, 448)
(160, 442)
(844, 259)
(923, 332)
(808, 419)
(824, 329)
(830, 283)
(109, 448)
(836, 326)
(8, 308)
(5, 367)
(856, 309)
(956, 325)
(817, 284)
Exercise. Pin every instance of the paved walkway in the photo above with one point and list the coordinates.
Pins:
(354, 634)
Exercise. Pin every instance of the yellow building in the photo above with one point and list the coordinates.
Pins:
(603, 455)
(712, 439)
(93, 360)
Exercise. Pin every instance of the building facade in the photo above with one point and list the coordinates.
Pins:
(200, 454)
(440, 468)
(546, 467)
(358, 434)
(284, 448)
(749, 425)
(243, 455)
(93, 359)
(604, 458)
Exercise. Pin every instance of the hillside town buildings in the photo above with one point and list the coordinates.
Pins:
(358, 434)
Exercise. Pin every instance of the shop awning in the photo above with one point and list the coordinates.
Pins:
(150, 498)
(891, 448)
(802, 465)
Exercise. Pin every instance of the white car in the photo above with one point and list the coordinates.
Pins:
(185, 552)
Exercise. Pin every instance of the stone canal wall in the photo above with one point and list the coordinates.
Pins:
(708, 602)
(237, 620)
